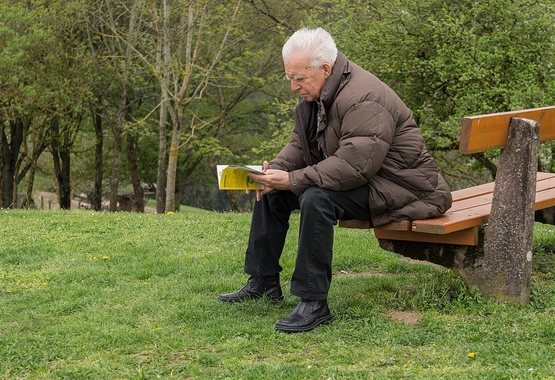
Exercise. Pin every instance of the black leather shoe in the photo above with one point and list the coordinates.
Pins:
(306, 316)
(256, 287)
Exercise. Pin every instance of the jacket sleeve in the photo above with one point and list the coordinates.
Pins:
(365, 135)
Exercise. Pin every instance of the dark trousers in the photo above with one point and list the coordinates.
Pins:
(320, 210)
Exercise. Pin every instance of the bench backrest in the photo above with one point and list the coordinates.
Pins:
(485, 132)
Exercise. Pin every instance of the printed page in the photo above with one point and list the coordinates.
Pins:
(235, 177)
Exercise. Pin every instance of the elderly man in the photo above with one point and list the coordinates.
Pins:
(355, 153)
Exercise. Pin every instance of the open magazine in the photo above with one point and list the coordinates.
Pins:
(236, 177)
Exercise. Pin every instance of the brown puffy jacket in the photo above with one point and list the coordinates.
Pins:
(367, 135)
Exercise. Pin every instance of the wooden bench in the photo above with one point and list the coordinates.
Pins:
(486, 236)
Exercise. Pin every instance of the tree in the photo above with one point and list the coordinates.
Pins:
(188, 71)
(120, 27)
(42, 88)
(24, 48)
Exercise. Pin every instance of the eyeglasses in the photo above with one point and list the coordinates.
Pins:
(297, 78)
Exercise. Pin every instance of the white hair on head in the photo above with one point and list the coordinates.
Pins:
(315, 44)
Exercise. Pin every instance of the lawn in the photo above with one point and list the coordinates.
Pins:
(88, 295)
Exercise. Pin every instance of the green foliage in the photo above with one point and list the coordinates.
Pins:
(40, 59)
(446, 59)
(24, 61)
(454, 59)
(282, 124)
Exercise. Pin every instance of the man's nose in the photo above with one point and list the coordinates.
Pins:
(295, 86)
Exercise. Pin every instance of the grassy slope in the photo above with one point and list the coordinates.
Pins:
(87, 295)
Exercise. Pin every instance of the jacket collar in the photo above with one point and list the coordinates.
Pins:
(335, 81)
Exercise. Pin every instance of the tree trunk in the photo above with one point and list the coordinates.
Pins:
(10, 149)
(64, 179)
(61, 156)
(487, 163)
(118, 142)
(31, 181)
(163, 66)
(161, 174)
(31, 168)
(116, 162)
(96, 201)
(162, 153)
(232, 201)
(134, 172)
(172, 165)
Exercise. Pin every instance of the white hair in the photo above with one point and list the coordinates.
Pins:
(315, 44)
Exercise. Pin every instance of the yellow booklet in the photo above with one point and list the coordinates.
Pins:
(236, 177)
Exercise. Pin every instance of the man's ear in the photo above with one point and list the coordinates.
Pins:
(327, 69)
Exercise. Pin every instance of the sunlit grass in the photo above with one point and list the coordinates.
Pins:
(86, 295)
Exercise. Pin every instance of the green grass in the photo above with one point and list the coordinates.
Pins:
(86, 295)
(151, 203)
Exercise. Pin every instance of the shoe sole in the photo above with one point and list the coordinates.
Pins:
(239, 300)
(320, 321)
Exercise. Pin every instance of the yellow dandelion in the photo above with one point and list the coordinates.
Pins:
(44, 283)
(471, 355)
(170, 212)
(105, 257)
(9, 291)
(95, 221)
(118, 218)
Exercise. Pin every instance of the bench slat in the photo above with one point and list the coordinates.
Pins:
(486, 188)
(464, 237)
(484, 192)
(545, 199)
(452, 222)
(355, 223)
(486, 132)
(472, 192)
(403, 225)
(457, 218)
(470, 203)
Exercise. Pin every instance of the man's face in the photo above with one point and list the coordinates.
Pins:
(308, 81)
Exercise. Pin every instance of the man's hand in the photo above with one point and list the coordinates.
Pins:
(272, 179)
